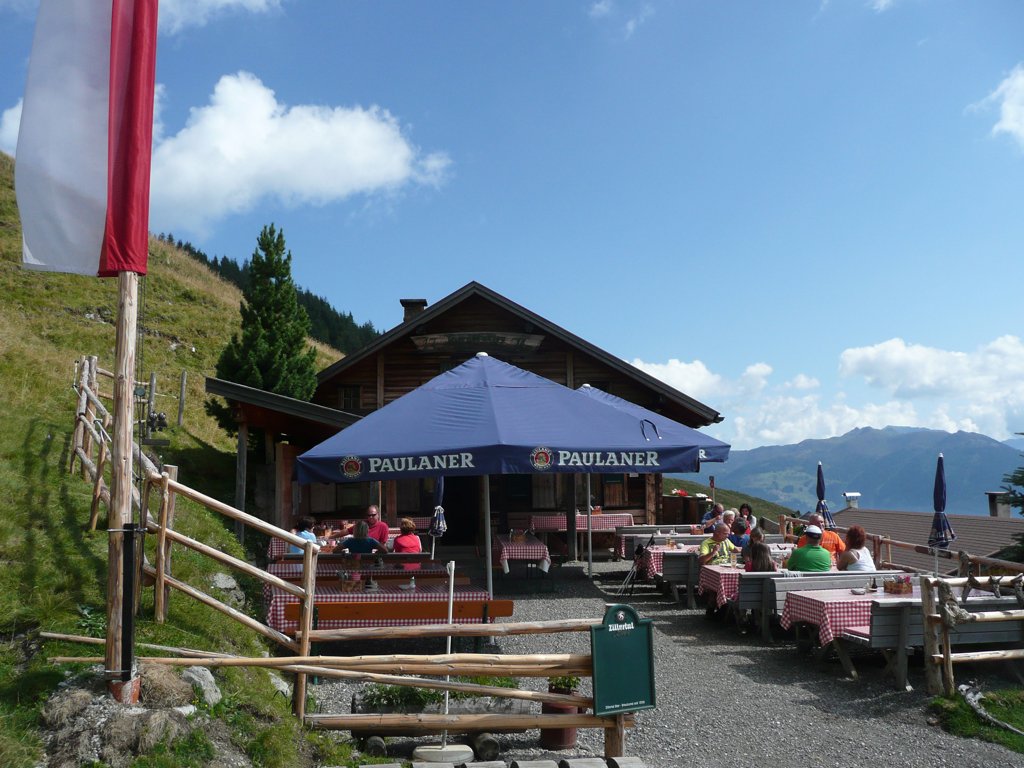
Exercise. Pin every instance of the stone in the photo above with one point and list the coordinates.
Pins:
(201, 679)
(227, 585)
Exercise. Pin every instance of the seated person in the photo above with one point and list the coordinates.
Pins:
(378, 529)
(760, 558)
(812, 556)
(303, 528)
(360, 543)
(712, 518)
(716, 550)
(857, 556)
(739, 535)
(407, 540)
(747, 516)
(829, 539)
(756, 536)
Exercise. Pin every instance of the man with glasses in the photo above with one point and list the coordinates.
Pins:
(378, 528)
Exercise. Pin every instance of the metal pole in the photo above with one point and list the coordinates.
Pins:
(590, 532)
(448, 645)
(487, 535)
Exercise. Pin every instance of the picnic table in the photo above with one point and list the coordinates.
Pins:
(558, 524)
(626, 538)
(833, 611)
(282, 611)
(292, 570)
(505, 550)
(722, 580)
(652, 560)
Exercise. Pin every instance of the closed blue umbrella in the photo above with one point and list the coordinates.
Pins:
(942, 534)
(822, 507)
(438, 526)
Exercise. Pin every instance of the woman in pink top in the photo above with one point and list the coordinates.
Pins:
(407, 540)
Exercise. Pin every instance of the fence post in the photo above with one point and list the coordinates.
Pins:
(83, 400)
(615, 738)
(162, 591)
(181, 398)
(90, 411)
(305, 624)
(931, 636)
(97, 487)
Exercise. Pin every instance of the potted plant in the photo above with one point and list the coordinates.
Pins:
(559, 738)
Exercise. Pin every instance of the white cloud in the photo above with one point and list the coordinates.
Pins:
(634, 23)
(245, 147)
(692, 378)
(606, 9)
(977, 391)
(803, 381)
(1010, 95)
(10, 122)
(881, 6)
(176, 15)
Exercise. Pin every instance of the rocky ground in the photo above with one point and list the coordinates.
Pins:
(726, 699)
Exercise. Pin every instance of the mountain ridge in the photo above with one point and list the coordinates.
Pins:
(892, 468)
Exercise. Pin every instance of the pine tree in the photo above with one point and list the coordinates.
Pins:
(272, 353)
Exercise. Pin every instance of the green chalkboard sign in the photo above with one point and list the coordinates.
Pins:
(622, 648)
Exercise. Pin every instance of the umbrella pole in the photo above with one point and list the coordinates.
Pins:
(448, 644)
(487, 535)
(590, 533)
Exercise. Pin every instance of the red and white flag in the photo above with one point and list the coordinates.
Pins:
(85, 143)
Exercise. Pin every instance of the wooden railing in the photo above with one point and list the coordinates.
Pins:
(882, 551)
(939, 619)
(379, 669)
(92, 420)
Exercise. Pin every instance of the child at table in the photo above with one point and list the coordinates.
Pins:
(760, 558)
(303, 528)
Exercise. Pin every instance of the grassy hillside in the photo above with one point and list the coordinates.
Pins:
(730, 499)
(53, 570)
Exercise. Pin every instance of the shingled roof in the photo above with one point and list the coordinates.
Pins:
(976, 534)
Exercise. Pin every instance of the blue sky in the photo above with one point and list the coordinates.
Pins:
(805, 214)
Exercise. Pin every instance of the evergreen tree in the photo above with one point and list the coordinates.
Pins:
(1014, 489)
(272, 353)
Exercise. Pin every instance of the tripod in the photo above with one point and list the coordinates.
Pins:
(630, 581)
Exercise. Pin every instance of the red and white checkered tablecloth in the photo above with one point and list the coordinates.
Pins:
(653, 557)
(833, 610)
(328, 568)
(328, 594)
(532, 548)
(680, 530)
(557, 523)
(723, 580)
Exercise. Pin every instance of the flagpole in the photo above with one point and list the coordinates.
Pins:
(119, 515)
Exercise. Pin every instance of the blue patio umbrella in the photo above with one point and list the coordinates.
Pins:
(438, 526)
(942, 534)
(822, 506)
(488, 417)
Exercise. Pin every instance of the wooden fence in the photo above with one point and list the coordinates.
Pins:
(882, 552)
(90, 436)
(92, 420)
(379, 669)
(941, 614)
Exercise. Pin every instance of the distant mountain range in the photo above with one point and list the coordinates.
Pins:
(892, 468)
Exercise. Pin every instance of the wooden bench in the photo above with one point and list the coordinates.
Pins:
(897, 628)
(764, 592)
(681, 570)
(385, 613)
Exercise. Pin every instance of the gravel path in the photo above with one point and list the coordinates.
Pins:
(788, 709)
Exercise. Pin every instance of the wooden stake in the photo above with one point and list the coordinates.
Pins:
(120, 512)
